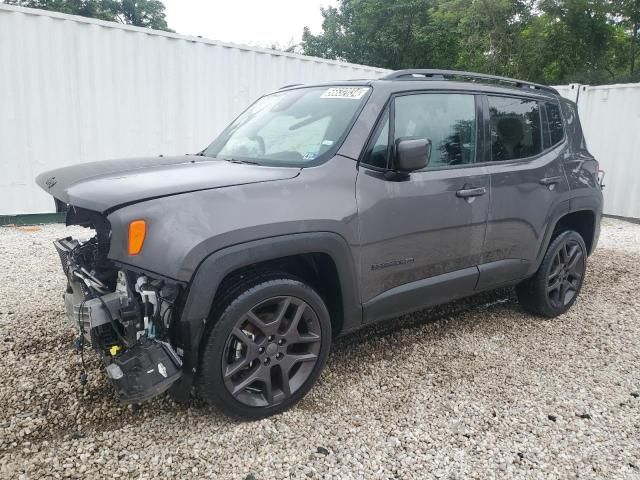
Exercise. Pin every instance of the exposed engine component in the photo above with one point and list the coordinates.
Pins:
(124, 315)
(91, 314)
(145, 370)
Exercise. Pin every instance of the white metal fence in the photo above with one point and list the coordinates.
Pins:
(610, 118)
(74, 89)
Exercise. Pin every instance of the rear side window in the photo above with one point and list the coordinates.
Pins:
(554, 121)
(447, 119)
(515, 128)
(572, 122)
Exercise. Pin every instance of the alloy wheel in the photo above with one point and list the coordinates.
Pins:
(565, 275)
(271, 351)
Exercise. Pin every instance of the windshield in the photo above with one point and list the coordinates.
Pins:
(296, 127)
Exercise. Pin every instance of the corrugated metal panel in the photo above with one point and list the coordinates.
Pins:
(610, 116)
(568, 91)
(75, 89)
(611, 121)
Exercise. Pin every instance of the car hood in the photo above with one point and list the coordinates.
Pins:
(105, 185)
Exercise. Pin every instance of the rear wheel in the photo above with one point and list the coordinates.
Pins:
(266, 349)
(557, 283)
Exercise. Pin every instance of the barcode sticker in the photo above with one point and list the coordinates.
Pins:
(352, 93)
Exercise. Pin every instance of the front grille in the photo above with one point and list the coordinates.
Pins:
(64, 247)
(64, 258)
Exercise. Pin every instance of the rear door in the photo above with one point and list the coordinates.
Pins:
(421, 234)
(528, 184)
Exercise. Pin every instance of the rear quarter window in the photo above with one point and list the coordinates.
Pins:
(554, 122)
(572, 125)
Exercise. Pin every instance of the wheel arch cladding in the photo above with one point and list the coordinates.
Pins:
(313, 247)
(317, 269)
(581, 221)
(565, 216)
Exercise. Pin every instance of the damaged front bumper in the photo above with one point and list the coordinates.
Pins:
(124, 316)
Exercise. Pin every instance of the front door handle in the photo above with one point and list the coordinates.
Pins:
(550, 181)
(471, 192)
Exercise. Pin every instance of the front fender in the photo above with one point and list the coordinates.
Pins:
(218, 265)
(215, 267)
(182, 230)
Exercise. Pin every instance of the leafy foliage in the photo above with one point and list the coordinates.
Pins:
(550, 41)
(140, 13)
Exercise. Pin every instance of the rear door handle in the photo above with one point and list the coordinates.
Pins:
(471, 192)
(548, 181)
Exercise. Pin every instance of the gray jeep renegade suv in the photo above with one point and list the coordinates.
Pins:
(320, 209)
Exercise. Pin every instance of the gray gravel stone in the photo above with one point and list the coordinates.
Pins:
(474, 389)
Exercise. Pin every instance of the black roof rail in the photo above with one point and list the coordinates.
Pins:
(421, 74)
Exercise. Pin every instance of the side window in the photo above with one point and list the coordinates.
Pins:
(574, 128)
(515, 128)
(447, 119)
(546, 137)
(554, 119)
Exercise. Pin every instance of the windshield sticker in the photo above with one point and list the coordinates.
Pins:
(309, 156)
(352, 93)
(327, 142)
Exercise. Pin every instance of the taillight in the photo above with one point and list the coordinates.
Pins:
(137, 232)
(599, 175)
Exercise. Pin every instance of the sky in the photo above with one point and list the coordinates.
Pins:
(260, 23)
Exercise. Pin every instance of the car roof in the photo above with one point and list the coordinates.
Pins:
(423, 79)
(431, 74)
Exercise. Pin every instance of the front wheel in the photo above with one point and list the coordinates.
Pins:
(266, 349)
(557, 283)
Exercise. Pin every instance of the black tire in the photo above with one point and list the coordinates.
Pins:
(556, 285)
(284, 360)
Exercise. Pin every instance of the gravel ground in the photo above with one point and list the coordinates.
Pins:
(475, 389)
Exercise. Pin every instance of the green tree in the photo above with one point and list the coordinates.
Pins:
(480, 35)
(578, 41)
(140, 13)
(489, 32)
(374, 32)
(627, 15)
(552, 41)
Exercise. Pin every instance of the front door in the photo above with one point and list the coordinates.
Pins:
(422, 234)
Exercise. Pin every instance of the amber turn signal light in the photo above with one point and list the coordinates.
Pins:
(137, 232)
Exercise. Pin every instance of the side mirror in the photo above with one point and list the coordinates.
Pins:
(412, 154)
